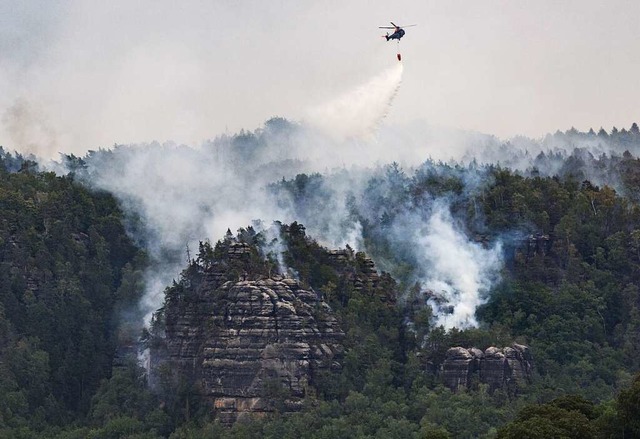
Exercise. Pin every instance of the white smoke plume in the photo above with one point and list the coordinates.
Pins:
(176, 196)
(274, 246)
(459, 272)
(418, 240)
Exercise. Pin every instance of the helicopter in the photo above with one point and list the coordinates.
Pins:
(397, 33)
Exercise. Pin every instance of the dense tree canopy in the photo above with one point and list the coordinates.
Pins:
(66, 268)
(569, 290)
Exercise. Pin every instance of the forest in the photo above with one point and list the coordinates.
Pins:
(567, 225)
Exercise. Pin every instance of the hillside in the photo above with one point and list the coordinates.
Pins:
(69, 282)
(405, 263)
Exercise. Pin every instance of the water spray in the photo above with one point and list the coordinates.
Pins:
(358, 113)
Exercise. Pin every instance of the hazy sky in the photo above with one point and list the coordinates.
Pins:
(77, 75)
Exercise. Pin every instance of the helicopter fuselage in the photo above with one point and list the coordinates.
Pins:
(399, 33)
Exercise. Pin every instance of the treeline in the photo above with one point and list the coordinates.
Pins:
(622, 138)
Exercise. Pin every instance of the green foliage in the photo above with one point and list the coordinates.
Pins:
(629, 408)
(569, 291)
(572, 416)
(571, 295)
(63, 257)
(124, 394)
(549, 421)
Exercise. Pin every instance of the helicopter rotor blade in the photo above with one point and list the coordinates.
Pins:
(393, 24)
(386, 27)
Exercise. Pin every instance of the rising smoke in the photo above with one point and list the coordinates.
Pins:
(178, 195)
(404, 232)
(459, 271)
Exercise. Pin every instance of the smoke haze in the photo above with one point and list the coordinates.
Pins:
(101, 73)
(177, 195)
(76, 76)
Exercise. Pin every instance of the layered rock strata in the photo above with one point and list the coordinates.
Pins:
(508, 368)
(266, 335)
(249, 345)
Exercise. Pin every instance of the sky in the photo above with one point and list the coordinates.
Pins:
(79, 75)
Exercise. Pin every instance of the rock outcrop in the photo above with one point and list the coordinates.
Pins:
(509, 368)
(360, 271)
(460, 365)
(248, 342)
(263, 335)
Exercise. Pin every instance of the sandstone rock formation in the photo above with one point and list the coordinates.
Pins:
(241, 335)
(360, 271)
(266, 333)
(508, 368)
(460, 365)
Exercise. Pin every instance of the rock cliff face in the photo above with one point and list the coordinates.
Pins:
(249, 342)
(508, 368)
(264, 334)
